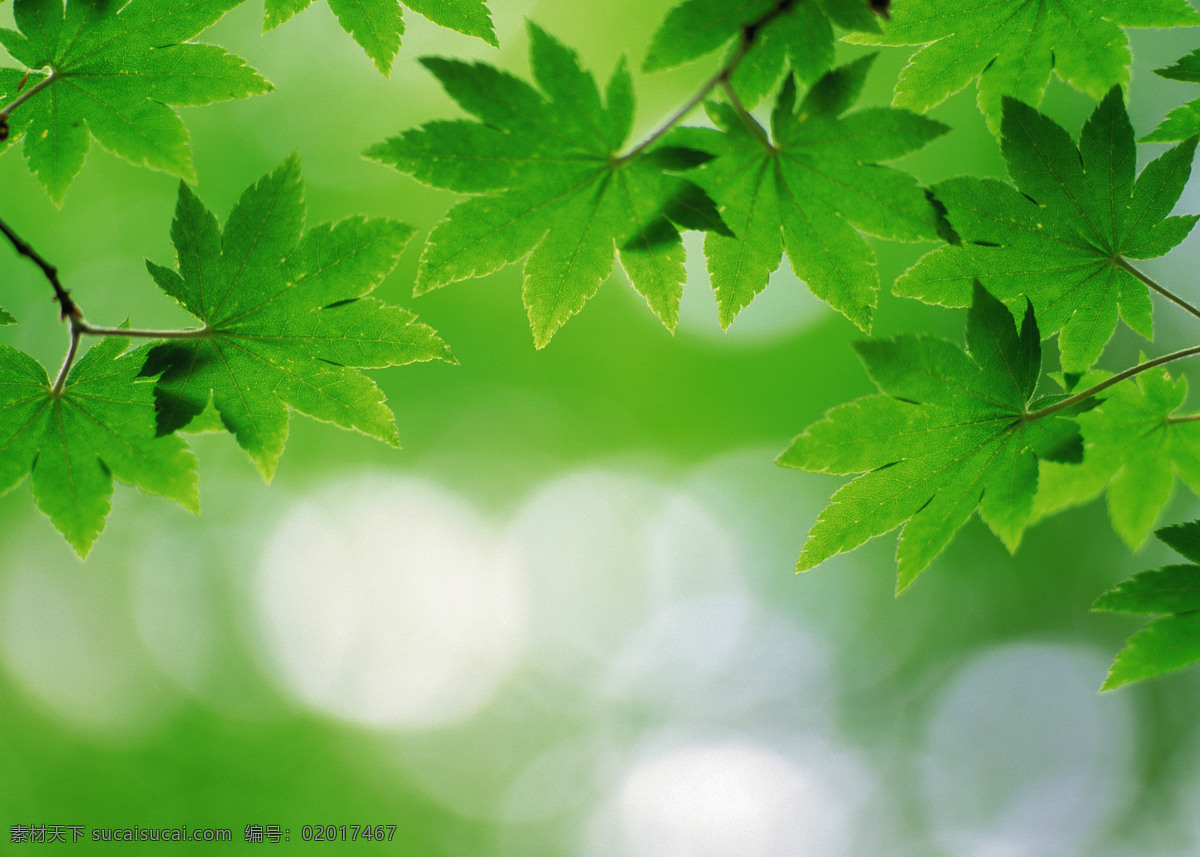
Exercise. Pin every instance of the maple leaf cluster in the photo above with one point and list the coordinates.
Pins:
(551, 176)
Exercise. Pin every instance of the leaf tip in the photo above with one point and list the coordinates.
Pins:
(805, 562)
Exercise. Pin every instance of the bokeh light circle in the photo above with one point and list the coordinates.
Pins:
(390, 602)
(65, 635)
(716, 796)
(1023, 756)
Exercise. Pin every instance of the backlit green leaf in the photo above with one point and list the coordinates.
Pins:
(809, 191)
(1010, 46)
(1063, 235)
(116, 71)
(950, 432)
(285, 316)
(378, 25)
(1172, 641)
(799, 33)
(101, 426)
(1135, 445)
(553, 187)
(1184, 121)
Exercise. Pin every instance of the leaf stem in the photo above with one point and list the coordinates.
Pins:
(61, 380)
(68, 309)
(745, 116)
(1166, 293)
(80, 327)
(748, 37)
(1115, 379)
(7, 110)
(191, 333)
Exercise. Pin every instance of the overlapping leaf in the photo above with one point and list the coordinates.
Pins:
(285, 314)
(116, 67)
(378, 25)
(1172, 641)
(807, 189)
(1010, 46)
(74, 443)
(949, 432)
(1063, 236)
(798, 32)
(6, 318)
(1183, 121)
(1135, 444)
(552, 186)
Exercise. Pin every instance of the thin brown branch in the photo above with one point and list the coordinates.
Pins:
(61, 380)
(67, 307)
(749, 35)
(1115, 379)
(1162, 290)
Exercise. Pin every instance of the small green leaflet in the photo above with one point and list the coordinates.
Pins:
(1011, 46)
(115, 69)
(377, 25)
(552, 186)
(1063, 235)
(949, 433)
(806, 191)
(1183, 121)
(1134, 446)
(101, 426)
(799, 33)
(285, 316)
(6, 318)
(1172, 641)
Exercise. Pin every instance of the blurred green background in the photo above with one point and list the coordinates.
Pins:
(563, 619)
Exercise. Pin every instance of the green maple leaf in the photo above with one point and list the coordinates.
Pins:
(951, 431)
(1172, 641)
(1063, 236)
(377, 25)
(798, 32)
(807, 189)
(100, 426)
(553, 186)
(116, 68)
(1010, 46)
(1135, 444)
(1184, 121)
(285, 314)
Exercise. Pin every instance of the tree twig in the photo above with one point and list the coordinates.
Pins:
(748, 37)
(1166, 293)
(67, 307)
(61, 380)
(1115, 379)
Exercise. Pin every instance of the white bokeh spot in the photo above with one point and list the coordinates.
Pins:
(390, 603)
(1023, 756)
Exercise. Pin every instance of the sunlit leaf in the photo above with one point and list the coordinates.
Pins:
(552, 187)
(286, 315)
(1172, 641)
(378, 25)
(74, 443)
(808, 190)
(1010, 46)
(117, 71)
(951, 431)
(1063, 236)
